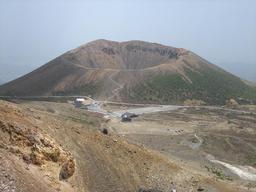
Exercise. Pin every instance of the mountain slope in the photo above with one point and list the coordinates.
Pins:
(30, 135)
(131, 71)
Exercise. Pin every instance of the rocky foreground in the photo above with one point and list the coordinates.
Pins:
(63, 150)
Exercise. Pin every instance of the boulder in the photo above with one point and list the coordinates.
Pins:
(67, 169)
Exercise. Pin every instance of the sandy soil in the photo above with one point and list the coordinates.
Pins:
(190, 134)
(156, 153)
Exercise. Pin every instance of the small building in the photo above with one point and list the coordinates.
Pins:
(82, 103)
(127, 117)
(79, 102)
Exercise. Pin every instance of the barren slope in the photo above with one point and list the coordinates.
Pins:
(131, 71)
(30, 136)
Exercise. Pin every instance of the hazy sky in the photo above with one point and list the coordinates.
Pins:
(32, 32)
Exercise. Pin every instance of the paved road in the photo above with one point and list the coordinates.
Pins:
(44, 97)
(145, 110)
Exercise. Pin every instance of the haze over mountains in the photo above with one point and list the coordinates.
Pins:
(226, 40)
(245, 70)
(133, 71)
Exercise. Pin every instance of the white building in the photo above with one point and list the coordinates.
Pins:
(83, 103)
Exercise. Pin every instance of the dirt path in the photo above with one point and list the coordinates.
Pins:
(112, 69)
(230, 136)
(95, 68)
(118, 89)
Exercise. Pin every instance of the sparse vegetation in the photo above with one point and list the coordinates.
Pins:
(251, 185)
(209, 85)
(84, 120)
(86, 89)
(252, 159)
(218, 172)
